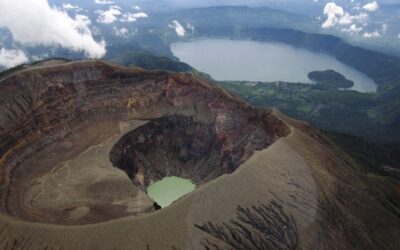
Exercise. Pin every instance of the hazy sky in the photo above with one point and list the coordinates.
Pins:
(73, 24)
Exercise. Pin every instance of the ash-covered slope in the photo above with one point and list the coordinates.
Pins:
(80, 142)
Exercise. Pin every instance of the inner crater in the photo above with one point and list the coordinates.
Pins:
(182, 146)
(173, 146)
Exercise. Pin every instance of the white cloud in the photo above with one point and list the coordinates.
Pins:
(128, 17)
(384, 27)
(69, 6)
(136, 7)
(180, 31)
(336, 15)
(348, 19)
(353, 29)
(360, 17)
(333, 13)
(12, 57)
(140, 15)
(114, 14)
(132, 17)
(96, 31)
(36, 23)
(345, 19)
(103, 2)
(110, 15)
(122, 32)
(189, 26)
(372, 34)
(372, 6)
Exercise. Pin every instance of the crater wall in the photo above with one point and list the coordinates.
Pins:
(191, 129)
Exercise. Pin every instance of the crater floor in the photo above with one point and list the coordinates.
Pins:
(74, 182)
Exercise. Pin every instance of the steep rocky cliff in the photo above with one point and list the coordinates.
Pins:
(81, 141)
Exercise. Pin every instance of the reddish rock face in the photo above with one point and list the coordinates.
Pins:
(181, 146)
(195, 130)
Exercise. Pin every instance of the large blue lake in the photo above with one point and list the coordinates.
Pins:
(247, 60)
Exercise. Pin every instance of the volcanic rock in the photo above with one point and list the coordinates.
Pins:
(81, 141)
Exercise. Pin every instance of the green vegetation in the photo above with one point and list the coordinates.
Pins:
(369, 154)
(51, 59)
(344, 116)
(330, 79)
(333, 110)
(135, 58)
(9, 71)
(242, 17)
(150, 62)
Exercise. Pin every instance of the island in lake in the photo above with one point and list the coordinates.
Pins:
(330, 79)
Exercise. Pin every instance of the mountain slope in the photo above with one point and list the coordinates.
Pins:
(80, 141)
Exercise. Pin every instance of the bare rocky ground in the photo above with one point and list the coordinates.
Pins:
(80, 141)
(84, 187)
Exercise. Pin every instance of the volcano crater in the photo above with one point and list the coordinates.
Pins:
(83, 146)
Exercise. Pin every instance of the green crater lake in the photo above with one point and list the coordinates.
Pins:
(169, 189)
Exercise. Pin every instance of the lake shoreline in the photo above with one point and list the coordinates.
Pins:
(241, 60)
